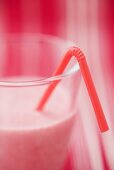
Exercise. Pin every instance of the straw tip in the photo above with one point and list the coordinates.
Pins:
(104, 128)
(39, 108)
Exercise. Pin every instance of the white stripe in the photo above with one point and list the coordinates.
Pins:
(108, 138)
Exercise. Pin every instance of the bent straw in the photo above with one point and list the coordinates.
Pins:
(74, 51)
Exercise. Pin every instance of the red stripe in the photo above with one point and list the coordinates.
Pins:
(14, 17)
(68, 163)
(106, 40)
(109, 20)
(53, 16)
(106, 22)
(13, 24)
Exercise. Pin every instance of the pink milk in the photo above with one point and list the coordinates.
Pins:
(32, 140)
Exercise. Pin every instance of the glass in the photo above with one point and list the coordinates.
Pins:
(30, 139)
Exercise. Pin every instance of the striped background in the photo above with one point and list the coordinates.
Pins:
(90, 24)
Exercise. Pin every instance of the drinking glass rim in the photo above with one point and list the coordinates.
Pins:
(35, 37)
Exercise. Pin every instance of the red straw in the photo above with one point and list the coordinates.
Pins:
(74, 51)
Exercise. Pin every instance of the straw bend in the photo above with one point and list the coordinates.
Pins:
(75, 51)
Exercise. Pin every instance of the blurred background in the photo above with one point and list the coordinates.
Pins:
(90, 24)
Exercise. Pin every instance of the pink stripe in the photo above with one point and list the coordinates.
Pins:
(31, 20)
(105, 161)
(13, 63)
